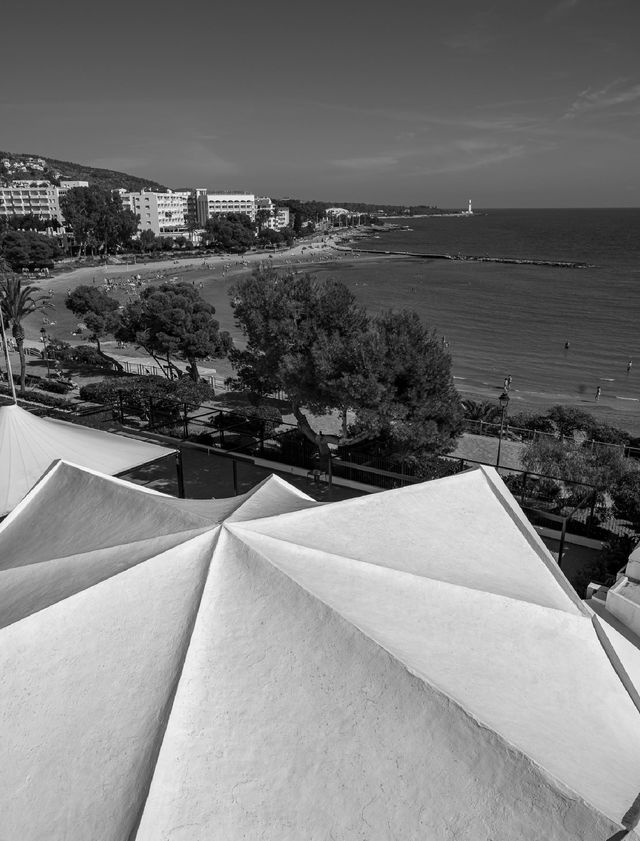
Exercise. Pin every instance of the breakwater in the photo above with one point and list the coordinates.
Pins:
(559, 264)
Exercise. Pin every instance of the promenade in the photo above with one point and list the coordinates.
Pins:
(474, 448)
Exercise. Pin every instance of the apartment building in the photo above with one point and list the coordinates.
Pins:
(65, 186)
(279, 217)
(231, 202)
(39, 198)
(166, 214)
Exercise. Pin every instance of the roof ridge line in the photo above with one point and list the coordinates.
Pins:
(101, 581)
(631, 818)
(196, 529)
(398, 571)
(562, 787)
(507, 502)
(166, 717)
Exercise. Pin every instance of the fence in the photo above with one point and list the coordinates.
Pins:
(142, 369)
(539, 495)
(492, 430)
(568, 506)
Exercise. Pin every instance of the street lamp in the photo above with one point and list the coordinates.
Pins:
(45, 350)
(503, 400)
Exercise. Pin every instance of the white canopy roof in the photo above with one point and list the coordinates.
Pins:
(28, 445)
(410, 664)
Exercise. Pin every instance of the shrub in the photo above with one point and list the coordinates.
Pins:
(606, 434)
(55, 386)
(430, 467)
(29, 381)
(87, 355)
(250, 421)
(626, 498)
(613, 557)
(37, 396)
(148, 393)
(60, 350)
(532, 422)
(236, 422)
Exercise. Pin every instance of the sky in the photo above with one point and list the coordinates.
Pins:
(512, 103)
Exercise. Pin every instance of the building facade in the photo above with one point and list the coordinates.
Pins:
(39, 198)
(166, 214)
(231, 202)
(279, 217)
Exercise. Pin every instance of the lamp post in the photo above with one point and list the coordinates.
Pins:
(45, 350)
(503, 400)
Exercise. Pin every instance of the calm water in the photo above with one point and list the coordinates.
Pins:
(507, 319)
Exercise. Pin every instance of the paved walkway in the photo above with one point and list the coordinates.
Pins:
(485, 450)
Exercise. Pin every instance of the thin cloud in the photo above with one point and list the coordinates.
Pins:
(589, 100)
(468, 154)
(512, 103)
(367, 163)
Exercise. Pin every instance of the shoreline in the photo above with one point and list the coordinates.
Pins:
(325, 258)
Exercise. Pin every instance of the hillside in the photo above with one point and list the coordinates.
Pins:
(16, 167)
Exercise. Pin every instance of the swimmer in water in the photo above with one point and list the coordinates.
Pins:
(566, 345)
(598, 393)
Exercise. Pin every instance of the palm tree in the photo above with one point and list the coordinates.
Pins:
(4, 270)
(17, 301)
(480, 410)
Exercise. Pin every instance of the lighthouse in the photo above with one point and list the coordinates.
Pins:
(470, 210)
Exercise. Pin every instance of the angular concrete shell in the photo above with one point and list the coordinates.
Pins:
(28, 445)
(406, 665)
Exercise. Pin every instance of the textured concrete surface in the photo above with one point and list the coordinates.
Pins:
(410, 664)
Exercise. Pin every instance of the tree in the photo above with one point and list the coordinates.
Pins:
(415, 406)
(262, 217)
(312, 341)
(232, 233)
(270, 237)
(481, 410)
(626, 499)
(173, 320)
(99, 312)
(28, 250)
(568, 421)
(97, 215)
(287, 235)
(17, 301)
(148, 240)
(570, 460)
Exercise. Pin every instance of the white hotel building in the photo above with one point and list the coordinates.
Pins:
(169, 214)
(232, 203)
(39, 198)
(166, 214)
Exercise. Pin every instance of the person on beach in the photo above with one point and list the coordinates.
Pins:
(598, 393)
(629, 364)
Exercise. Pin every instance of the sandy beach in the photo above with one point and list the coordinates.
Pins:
(379, 281)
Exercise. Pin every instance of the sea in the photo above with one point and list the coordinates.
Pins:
(503, 319)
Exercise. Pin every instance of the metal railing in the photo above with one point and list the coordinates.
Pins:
(521, 434)
(544, 498)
